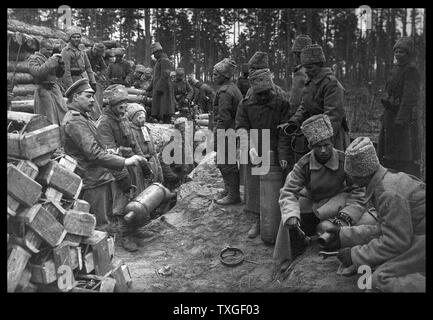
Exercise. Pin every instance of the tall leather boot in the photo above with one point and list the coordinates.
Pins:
(127, 239)
(233, 195)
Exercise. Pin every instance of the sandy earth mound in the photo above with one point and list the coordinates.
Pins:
(191, 235)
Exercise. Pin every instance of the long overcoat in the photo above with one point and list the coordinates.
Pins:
(162, 89)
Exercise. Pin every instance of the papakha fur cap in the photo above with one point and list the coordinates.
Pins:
(405, 43)
(225, 67)
(115, 93)
(312, 54)
(361, 159)
(301, 42)
(260, 80)
(259, 61)
(317, 128)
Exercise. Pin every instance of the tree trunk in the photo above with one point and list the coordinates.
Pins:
(288, 65)
(413, 22)
(147, 37)
(404, 21)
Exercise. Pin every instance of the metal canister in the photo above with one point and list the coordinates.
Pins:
(139, 209)
(324, 236)
(270, 214)
(252, 191)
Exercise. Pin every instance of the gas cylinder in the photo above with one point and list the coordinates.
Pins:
(270, 214)
(139, 209)
(203, 122)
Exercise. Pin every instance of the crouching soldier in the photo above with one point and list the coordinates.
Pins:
(83, 142)
(316, 189)
(115, 131)
(395, 248)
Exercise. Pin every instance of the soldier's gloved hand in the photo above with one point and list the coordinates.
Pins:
(93, 85)
(344, 255)
(124, 183)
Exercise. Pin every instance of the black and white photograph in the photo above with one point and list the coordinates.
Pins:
(216, 150)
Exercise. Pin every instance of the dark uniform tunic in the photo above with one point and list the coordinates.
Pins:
(82, 142)
(119, 73)
(77, 66)
(243, 84)
(398, 141)
(48, 96)
(324, 94)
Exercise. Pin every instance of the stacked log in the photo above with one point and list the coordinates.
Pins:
(30, 37)
(52, 241)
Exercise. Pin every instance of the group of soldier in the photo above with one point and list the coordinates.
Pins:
(375, 204)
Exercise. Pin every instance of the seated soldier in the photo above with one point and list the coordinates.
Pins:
(395, 247)
(144, 144)
(316, 189)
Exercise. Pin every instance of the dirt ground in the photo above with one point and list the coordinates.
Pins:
(191, 235)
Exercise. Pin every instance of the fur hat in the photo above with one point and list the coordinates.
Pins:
(132, 110)
(172, 73)
(260, 80)
(73, 30)
(312, 54)
(259, 60)
(155, 47)
(405, 43)
(140, 68)
(118, 51)
(361, 159)
(225, 67)
(301, 42)
(317, 128)
(115, 94)
(99, 46)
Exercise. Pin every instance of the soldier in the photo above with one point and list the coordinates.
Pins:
(116, 134)
(323, 94)
(395, 248)
(225, 107)
(144, 144)
(83, 142)
(96, 59)
(243, 83)
(399, 147)
(316, 189)
(182, 94)
(265, 108)
(77, 65)
(138, 77)
(205, 95)
(45, 69)
(120, 71)
(162, 89)
(299, 76)
(173, 76)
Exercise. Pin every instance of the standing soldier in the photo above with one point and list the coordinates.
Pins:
(323, 94)
(77, 65)
(182, 94)
(45, 69)
(83, 142)
(120, 71)
(161, 87)
(265, 108)
(96, 59)
(225, 107)
(205, 96)
(399, 147)
(395, 249)
(243, 83)
(299, 75)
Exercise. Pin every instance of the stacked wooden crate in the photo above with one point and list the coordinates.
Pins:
(52, 241)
